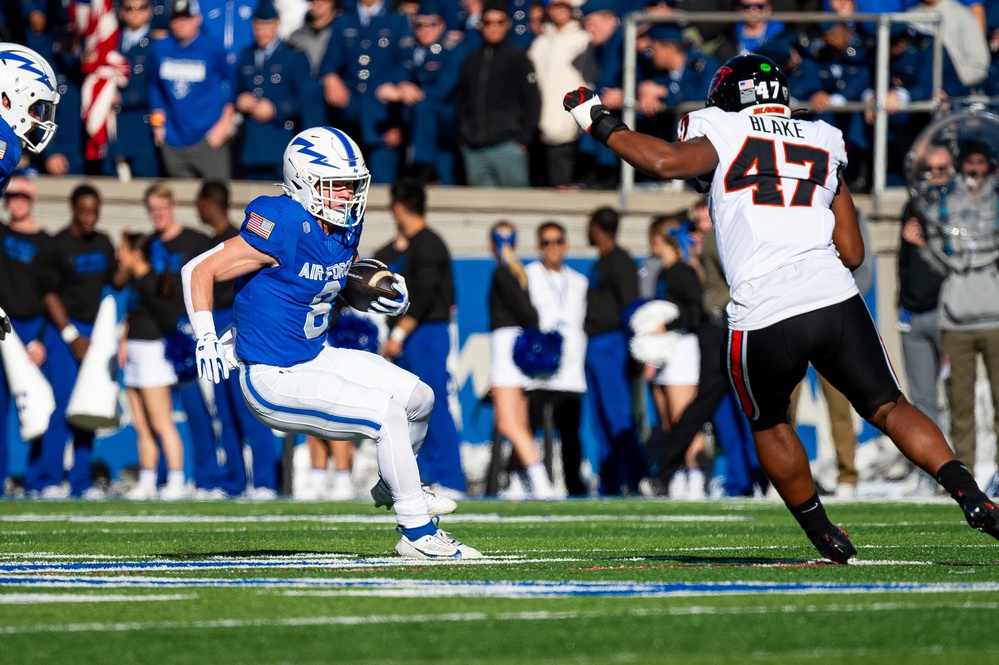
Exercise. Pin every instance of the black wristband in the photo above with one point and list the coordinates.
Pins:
(604, 123)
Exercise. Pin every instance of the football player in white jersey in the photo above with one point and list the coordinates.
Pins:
(788, 236)
(290, 261)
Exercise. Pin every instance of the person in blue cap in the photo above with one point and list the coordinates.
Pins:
(674, 75)
(607, 57)
(370, 46)
(276, 95)
(437, 64)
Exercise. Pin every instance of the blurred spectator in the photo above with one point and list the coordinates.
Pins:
(313, 37)
(152, 312)
(674, 385)
(919, 292)
(603, 71)
(498, 106)
(239, 425)
(960, 243)
(172, 246)
(23, 244)
(911, 58)
(966, 52)
(190, 94)
(556, 54)
(73, 275)
(43, 20)
(363, 72)
(613, 286)
(276, 95)
(558, 293)
(674, 76)
(751, 33)
(846, 68)
(510, 312)
(320, 452)
(227, 23)
(433, 112)
(463, 22)
(64, 153)
(420, 340)
(134, 147)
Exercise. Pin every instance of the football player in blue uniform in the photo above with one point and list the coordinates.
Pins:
(290, 261)
(28, 100)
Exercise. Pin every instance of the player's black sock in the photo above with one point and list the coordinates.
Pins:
(957, 480)
(811, 515)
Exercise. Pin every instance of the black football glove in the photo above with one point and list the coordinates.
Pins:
(4, 324)
(592, 117)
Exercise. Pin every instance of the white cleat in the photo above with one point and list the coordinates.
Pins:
(141, 493)
(175, 493)
(436, 546)
(436, 505)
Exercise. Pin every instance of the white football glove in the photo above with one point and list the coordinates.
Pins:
(5, 324)
(210, 356)
(392, 307)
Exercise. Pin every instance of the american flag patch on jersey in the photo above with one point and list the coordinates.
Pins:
(746, 85)
(262, 227)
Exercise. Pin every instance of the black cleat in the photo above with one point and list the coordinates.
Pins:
(834, 544)
(981, 514)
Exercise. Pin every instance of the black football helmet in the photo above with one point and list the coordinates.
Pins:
(750, 84)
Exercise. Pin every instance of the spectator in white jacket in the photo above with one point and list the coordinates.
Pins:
(556, 54)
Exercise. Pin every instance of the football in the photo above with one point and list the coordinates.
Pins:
(367, 281)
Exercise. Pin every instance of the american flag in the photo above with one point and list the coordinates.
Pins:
(105, 70)
(746, 85)
(262, 227)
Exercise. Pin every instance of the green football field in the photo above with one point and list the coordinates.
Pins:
(614, 581)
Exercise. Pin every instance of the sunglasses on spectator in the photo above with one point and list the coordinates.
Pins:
(753, 5)
(501, 21)
(938, 168)
(430, 23)
(546, 242)
(15, 195)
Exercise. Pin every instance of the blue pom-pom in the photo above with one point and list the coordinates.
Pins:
(354, 332)
(629, 311)
(538, 354)
(180, 346)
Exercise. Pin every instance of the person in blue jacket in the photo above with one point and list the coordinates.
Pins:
(370, 46)
(276, 95)
(134, 145)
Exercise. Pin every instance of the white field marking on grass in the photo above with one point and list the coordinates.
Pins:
(482, 518)
(38, 598)
(467, 617)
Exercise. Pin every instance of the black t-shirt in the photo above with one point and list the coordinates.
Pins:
(509, 305)
(426, 265)
(77, 270)
(223, 290)
(21, 255)
(168, 258)
(152, 314)
(613, 285)
(679, 285)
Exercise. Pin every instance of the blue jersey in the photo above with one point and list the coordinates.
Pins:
(282, 313)
(10, 154)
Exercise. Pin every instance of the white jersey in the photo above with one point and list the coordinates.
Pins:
(769, 201)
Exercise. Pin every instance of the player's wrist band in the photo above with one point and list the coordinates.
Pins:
(604, 123)
(203, 323)
(69, 334)
(398, 335)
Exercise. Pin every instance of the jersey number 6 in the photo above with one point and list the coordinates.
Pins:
(756, 167)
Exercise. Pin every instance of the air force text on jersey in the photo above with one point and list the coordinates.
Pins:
(316, 271)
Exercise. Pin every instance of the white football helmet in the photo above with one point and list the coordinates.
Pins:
(28, 86)
(318, 159)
